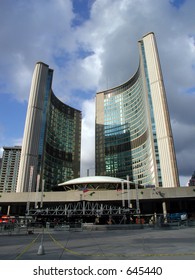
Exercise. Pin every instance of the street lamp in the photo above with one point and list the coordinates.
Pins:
(93, 168)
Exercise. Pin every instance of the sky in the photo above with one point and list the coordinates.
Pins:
(92, 46)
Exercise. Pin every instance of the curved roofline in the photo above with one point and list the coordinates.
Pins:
(93, 179)
(149, 33)
(131, 79)
(64, 104)
(40, 62)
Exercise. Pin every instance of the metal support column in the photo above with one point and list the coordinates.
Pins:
(164, 206)
(128, 192)
(123, 199)
(137, 200)
(83, 207)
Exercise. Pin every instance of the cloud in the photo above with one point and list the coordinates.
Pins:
(184, 135)
(184, 181)
(31, 31)
(1, 152)
(2, 138)
(88, 137)
(99, 51)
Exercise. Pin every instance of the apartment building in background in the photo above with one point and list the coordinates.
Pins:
(9, 168)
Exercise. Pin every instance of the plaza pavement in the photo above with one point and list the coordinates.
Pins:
(130, 244)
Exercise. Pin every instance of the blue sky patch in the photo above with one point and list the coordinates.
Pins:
(11, 112)
(191, 90)
(62, 58)
(82, 10)
(82, 53)
(177, 3)
(83, 94)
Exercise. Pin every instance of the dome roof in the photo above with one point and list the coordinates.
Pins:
(93, 179)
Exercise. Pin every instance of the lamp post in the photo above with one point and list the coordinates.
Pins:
(137, 199)
(93, 168)
(128, 191)
(42, 190)
(41, 250)
(123, 199)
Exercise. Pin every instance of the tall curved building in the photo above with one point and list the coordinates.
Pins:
(52, 137)
(133, 131)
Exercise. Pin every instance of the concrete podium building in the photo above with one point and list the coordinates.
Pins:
(52, 137)
(133, 131)
(90, 197)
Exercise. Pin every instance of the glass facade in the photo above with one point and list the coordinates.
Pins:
(126, 141)
(62, 144)
(59, 144)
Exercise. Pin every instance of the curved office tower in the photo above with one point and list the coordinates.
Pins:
(133, 131)
(52, 137)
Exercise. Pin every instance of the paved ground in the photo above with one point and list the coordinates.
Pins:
(137, 244)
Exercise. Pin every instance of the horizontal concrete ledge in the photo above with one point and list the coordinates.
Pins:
(99, 195)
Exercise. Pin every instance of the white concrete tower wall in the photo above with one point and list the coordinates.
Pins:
(100, 108)
(162, 120)
(30, 146)
(100, 148)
